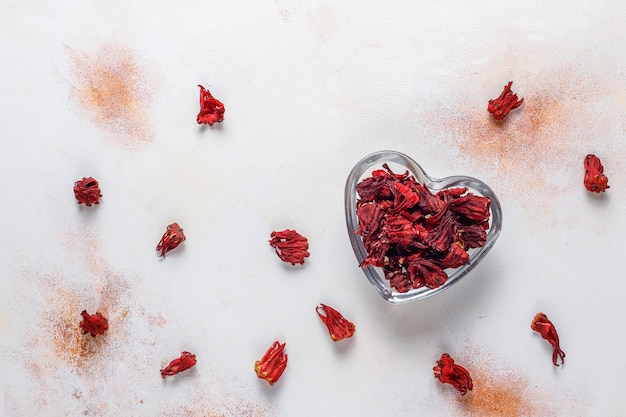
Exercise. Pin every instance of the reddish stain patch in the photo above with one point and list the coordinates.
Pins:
(68, 342)
(498, 396)
(113, 88)
(239, 408)
(560, 120)
(504, 391)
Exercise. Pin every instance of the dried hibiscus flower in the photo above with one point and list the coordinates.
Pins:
(413, 234)
(184, 362)
(93, 324)
(501, 106)
(595, 180)
(542, 325)
(338, 326)
(272, 365)
(290, 246)
(211, 109)
(449, 372)
(172, 237)
(87, 191)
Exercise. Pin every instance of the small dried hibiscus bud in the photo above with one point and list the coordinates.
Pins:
(449, 372)
(546, 329)
(595, 180)
(338, 326)
(290, 246)
(87, 191)
(211, 109)
(184, 362)
(502, 105)
(172, 237)
(272, 364)
(94, 324)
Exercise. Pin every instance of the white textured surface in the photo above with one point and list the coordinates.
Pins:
(310, 87)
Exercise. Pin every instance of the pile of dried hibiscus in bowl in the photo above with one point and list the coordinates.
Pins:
(418, 230)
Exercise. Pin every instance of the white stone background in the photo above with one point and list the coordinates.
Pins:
(310, 87)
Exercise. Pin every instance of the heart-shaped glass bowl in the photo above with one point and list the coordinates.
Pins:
(399, 163)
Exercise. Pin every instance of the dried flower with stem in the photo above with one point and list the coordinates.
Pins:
(542, 325)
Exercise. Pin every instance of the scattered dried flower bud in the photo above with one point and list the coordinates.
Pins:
(338, 326)
(172, 237)
(273, 363)
(290, 246)
(449, 372)
(87, 191)
(546, 329)
(501, 106)
(211, 109)
(93, 324)
(184, 362)
(595, 180)
(413, 234)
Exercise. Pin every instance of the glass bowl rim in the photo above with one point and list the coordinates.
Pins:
(435, 184)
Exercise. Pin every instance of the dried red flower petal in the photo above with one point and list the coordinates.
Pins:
(502, 105)
(93, 324)
(456, 257)
(273, 363)
(595, 180)
(471, 236)
(338, 326)
(184, 362)
(211, 109)
(172, 237)
(449, 372)
(414, 234)
(425, 272)
(542, 325)
(474, 207)
(290, 246)
(87, 191)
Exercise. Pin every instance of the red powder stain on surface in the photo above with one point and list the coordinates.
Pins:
(224, 405)
(63, 318)
(113, 88)
(498, 396)
(560, 120)
(507, 392)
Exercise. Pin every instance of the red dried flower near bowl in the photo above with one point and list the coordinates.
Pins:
(542, 325)
(94, 324)
(180, 364)
(290, 246)
(449, 372)
(211, 109)
(87, 191)
(172, 237)
(272, 365)
(338, 326)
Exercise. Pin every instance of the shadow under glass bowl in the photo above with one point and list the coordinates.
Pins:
(399, 163)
